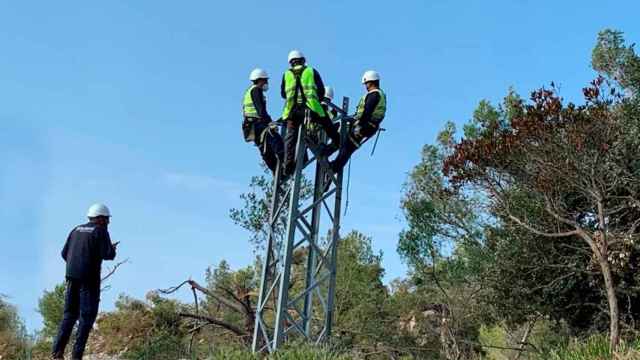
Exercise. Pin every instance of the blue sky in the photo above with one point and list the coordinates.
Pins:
(137, 104)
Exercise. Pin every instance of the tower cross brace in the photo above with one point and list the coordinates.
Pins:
(298, 302)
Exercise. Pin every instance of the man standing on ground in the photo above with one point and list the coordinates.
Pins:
(257, 122)
(369, 114)
(86, 247)
(303, 89)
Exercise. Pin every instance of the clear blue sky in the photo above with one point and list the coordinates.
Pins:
(137, 104)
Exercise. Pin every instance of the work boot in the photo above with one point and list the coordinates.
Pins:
(285, 174)
(328, 176)
(326, 181)
(288, 169)
(333, 166)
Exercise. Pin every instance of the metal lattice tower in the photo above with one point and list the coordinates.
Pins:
(289, 306)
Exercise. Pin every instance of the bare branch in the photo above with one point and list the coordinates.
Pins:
(110, 273)
(542, 233)
(114, 269)
(173, 289)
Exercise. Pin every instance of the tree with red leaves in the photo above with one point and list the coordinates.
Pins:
(575, 162)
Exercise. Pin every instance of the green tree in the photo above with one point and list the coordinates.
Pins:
(51, 308)
(574, 164)
(13, 337)
(614, 59)
(360, 295)
(142, 329)
(253, 216)
(444, 246)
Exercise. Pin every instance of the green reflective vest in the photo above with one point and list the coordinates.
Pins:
(309, 90)
(248, 108)
(380, 110)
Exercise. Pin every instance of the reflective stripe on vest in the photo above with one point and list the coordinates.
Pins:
(380, 110)
(309, 91)
(248, 107)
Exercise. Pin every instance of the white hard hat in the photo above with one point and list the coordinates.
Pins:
(98, 210)
(258, 74)
(295, 54)
(370, 75)
(328, 92)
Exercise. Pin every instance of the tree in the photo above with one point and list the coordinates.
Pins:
(254, 215)
(361, 296)
(136, 328)
(444, 246)
(575, 164)
(614, 59)
(51, 308)
(13, 338)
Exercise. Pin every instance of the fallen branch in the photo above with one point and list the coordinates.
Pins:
(235, 303)
(194, 285)
(234, 329)
(196, 326)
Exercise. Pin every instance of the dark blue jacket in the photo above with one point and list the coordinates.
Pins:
(86, 247)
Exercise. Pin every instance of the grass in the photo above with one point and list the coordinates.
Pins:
(594, 348)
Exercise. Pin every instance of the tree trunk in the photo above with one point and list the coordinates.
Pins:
(614, 312)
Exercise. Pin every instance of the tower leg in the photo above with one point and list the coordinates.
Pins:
(296, 300)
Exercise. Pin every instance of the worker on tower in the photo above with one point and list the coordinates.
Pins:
(86, 247)
(327, 150)
(257, 125)
(369, 114)
(302, 88)
(328, 97)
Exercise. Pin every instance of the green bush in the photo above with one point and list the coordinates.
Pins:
(165, 348)
(306, 352)
(498, 340)
(291, 352)
(13, 337)
(161, 347)
(594, 348)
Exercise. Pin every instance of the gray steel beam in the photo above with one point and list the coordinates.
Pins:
(284, 318)
(283, 292)
(269, 259)
(335, 233)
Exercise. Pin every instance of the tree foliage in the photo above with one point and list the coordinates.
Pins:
(51, 308)
(13, 337)
(614, 59)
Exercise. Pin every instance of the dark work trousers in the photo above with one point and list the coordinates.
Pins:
(81, 302)
(358, 134)
(269, 144)
(296, 117)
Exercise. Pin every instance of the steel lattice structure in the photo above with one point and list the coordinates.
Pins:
(288, 308)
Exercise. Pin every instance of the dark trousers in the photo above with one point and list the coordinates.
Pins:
(293, 122)
(270, 145)
(81, 302)
(357, 135)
